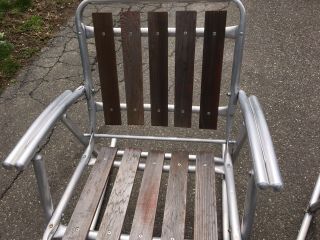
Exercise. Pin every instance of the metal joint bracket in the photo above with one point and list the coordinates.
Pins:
(313, 208)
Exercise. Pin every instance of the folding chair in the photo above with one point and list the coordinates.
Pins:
(89, 220)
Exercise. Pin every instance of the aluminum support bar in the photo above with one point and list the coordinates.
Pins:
(230, 32)
(55, 219)
(308, 216)
(225, 212)
(254, 142)
(24, 151)
(222, 111)
(269, 154)
(238, 145)
(249, 208)
(43, 186)
(157, 138)
(231, 196)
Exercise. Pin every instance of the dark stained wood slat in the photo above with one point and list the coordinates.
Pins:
(106, 55)
(115, 212)
(205, 217)
(175, 207)
(184, 67)
(158, 64)
(143, 221)
(213, 44)
(132, 64)
(83, 214)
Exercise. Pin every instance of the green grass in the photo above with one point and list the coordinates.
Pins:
(9, 66)
(34, 23)
(20, 5)
(5, 48)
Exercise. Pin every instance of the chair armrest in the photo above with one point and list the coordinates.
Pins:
(265, 162)
(28, 145)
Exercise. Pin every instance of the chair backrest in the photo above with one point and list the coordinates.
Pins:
(157, 32)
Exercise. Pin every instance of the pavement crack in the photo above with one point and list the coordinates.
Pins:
(10, 185)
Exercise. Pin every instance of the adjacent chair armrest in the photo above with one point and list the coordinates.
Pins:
(28, 145)
(265, 163)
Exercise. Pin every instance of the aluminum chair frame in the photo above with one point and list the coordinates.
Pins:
(263, 175)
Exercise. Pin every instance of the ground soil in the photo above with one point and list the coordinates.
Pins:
(54, 13)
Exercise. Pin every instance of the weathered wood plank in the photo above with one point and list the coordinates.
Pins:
(158, 64)
(213, 44)
(132, 64)
(115, 212)
(83, 214)
(143, 221)
(184, 67)
(205, 216)
(175, 207)
(106, 55)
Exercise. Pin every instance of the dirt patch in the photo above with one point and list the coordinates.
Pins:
(25, 27)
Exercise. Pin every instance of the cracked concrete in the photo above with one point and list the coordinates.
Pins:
(280, 66)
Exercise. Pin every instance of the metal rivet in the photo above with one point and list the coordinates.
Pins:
(51, 225)
(214, 34)
(157, 33)
(205, 165)
(134, 109)
(130, 34)
(185, 33)
(179, 164)
(140, 235)
(171, 238)
(158, 110)
(77, 229)
(103, 34)
(154, 163)
(109, 232)
(208, 113)
(111, 109)
(182, 111)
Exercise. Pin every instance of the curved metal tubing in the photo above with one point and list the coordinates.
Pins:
(230, 32)
(308, 216)
(24, 151)
(254, 141)
(267, 145)
(55, 219)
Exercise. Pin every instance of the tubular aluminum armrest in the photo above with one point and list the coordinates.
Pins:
(23, 152)
(265, 163)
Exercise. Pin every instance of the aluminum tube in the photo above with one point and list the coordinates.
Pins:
(269, 154)
(55, 219)
(31, 146)
(225, 213)
(10, 161)
(157, 138)
(166, 167)
(249, 208)
(96, 215)
(308, 216)
(240, 141)
(222, 111)
(254, 142)
(43, 186)
(232, 198)
(230, 32)
(75, 131)
(217, 160)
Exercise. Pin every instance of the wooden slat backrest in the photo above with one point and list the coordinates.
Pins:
(184, 67)
(132, 64)
(158, 65)
(106, 56)
(213, 45)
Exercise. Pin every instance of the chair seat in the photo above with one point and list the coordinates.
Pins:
(173, 226)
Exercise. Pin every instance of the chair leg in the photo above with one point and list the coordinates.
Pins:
(249, 208)
(43, 186)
